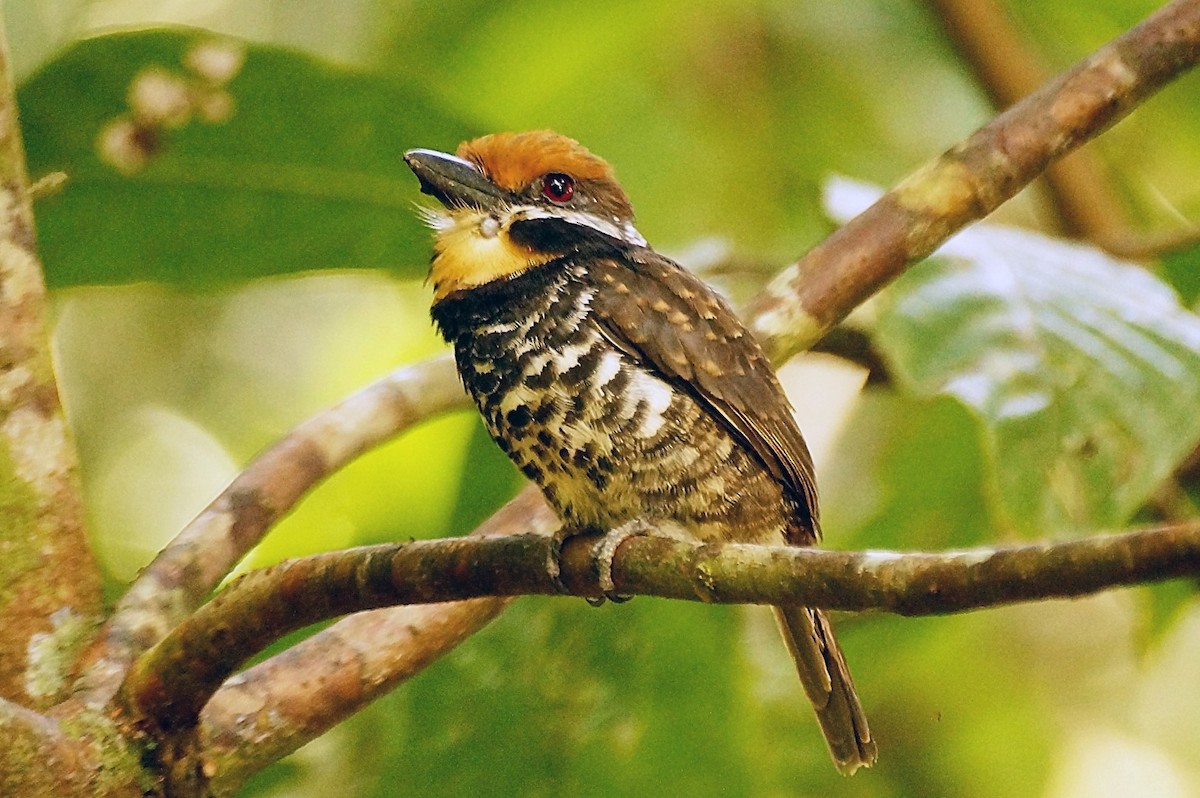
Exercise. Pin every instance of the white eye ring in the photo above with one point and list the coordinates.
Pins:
(489, 227)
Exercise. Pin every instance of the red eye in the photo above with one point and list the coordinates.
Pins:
(558, 187)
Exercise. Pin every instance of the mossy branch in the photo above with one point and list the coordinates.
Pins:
(176, 678)
(46, 567)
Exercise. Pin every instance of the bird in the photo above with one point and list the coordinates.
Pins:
(618, 381)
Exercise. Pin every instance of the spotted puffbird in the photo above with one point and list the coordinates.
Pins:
(616, 380)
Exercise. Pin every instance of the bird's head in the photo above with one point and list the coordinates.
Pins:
(513, 201)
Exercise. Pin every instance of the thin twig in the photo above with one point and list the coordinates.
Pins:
(854, 345)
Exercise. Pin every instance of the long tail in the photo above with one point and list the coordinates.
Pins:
(826, 680)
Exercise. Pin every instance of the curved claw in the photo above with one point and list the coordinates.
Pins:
(603, 553)
(554, 557)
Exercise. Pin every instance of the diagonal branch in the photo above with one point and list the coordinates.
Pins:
(173, 681)
(1007, 68)
(187, 570)
(1080, 191)
(336, 672)
(972, 179)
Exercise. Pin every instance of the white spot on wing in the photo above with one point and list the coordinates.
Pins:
(568, 358)
(610, 365)
(537, 364)
(657, 396)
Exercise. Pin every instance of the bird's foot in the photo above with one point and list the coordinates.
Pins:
(558, 538)
(602, 554)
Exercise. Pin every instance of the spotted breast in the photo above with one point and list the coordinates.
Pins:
(607, 439)
(616, 380)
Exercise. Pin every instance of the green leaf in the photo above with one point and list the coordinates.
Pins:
(305, 173)
(1084, 371)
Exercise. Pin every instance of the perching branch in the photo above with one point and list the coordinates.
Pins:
(972, 179)
(187, 570)
(175, 679)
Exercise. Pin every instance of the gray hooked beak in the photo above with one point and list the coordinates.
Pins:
(452, 181)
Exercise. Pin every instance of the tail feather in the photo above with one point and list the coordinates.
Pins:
(826, 680)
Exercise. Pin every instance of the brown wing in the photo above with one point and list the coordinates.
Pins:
(662, 314)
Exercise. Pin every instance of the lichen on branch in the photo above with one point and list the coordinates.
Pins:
(170, 685)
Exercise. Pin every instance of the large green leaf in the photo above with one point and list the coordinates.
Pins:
(1083, 370)
(305, 174)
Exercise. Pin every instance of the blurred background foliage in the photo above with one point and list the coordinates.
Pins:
(252, 257)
